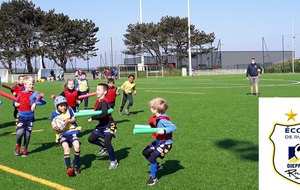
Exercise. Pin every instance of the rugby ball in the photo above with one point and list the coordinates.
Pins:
(60, 124)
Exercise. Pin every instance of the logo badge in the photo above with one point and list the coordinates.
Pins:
(286, 150)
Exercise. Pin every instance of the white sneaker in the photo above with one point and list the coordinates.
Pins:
(127, 111)
(113, 164)
(102, 151)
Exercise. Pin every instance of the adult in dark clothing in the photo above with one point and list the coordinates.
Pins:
(253, 70)
(94, 73)
(52, 74)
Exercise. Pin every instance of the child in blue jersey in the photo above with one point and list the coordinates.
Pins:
(68, 137)
(163, 138)
(82, 85)
(27, 100)
(106, 128)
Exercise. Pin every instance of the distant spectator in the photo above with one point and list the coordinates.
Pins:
(94, 73)
(115, 73)
(111, 73)
(62, 73)
(52, 75)
(105, 73)
(79, 72)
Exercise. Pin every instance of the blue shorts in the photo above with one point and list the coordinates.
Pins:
(26, 123)
(69, 137)
(109, 129)
(159, 149)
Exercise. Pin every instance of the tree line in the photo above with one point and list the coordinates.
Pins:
(27, 32)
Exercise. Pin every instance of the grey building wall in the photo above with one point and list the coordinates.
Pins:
(224, 59)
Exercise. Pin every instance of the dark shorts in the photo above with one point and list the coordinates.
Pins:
(69, 137)
(109, 129)
(160, 149)
(26, 123)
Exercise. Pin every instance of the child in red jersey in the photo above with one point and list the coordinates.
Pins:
(106, 127)
(71, 94)
(17, 88)
(26, 104)
(112, 93)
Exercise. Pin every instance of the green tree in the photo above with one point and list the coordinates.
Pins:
(18, 36)
(27, 32)
(168, 37)
(63, 38)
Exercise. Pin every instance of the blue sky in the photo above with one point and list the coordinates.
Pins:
(240, 25)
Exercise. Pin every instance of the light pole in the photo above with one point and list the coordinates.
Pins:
(189, 38)
(142, 53)
(293, 47)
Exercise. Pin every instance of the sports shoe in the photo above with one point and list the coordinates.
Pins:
(102, 151)
(76, 170)
(24, 153)
(127, 111)
(113, 164)
(152, 181)
(17, 150)
(70, 172)
(120, 112)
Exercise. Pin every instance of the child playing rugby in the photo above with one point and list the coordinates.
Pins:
(163, 138)
(112, 92)
(106, 128)
(128, 88)
(27, 100)
(67, 137)
(71, 94)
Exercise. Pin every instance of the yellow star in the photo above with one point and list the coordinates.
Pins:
(291, 115)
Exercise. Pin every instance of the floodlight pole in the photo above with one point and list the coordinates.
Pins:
(141, 21)
(189, 38)
(293, 47)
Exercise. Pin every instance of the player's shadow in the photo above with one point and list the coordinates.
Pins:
(245, 150)
(86, 161)
(5, 134)
(13, 123)
(136, 112)
(169, 167)
(9, 124)
(253, 94)
(122, 121)
(120, 154)
(44, 146)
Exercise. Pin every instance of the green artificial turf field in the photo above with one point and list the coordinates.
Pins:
(215, 145)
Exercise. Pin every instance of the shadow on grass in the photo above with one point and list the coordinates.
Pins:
(122, 121)
(86, 161)
(169, 167)
(6, 133)
(9, 124)
(136, 112)
(13, 123)
(119, 154)
(44, 146)
(245, 150)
